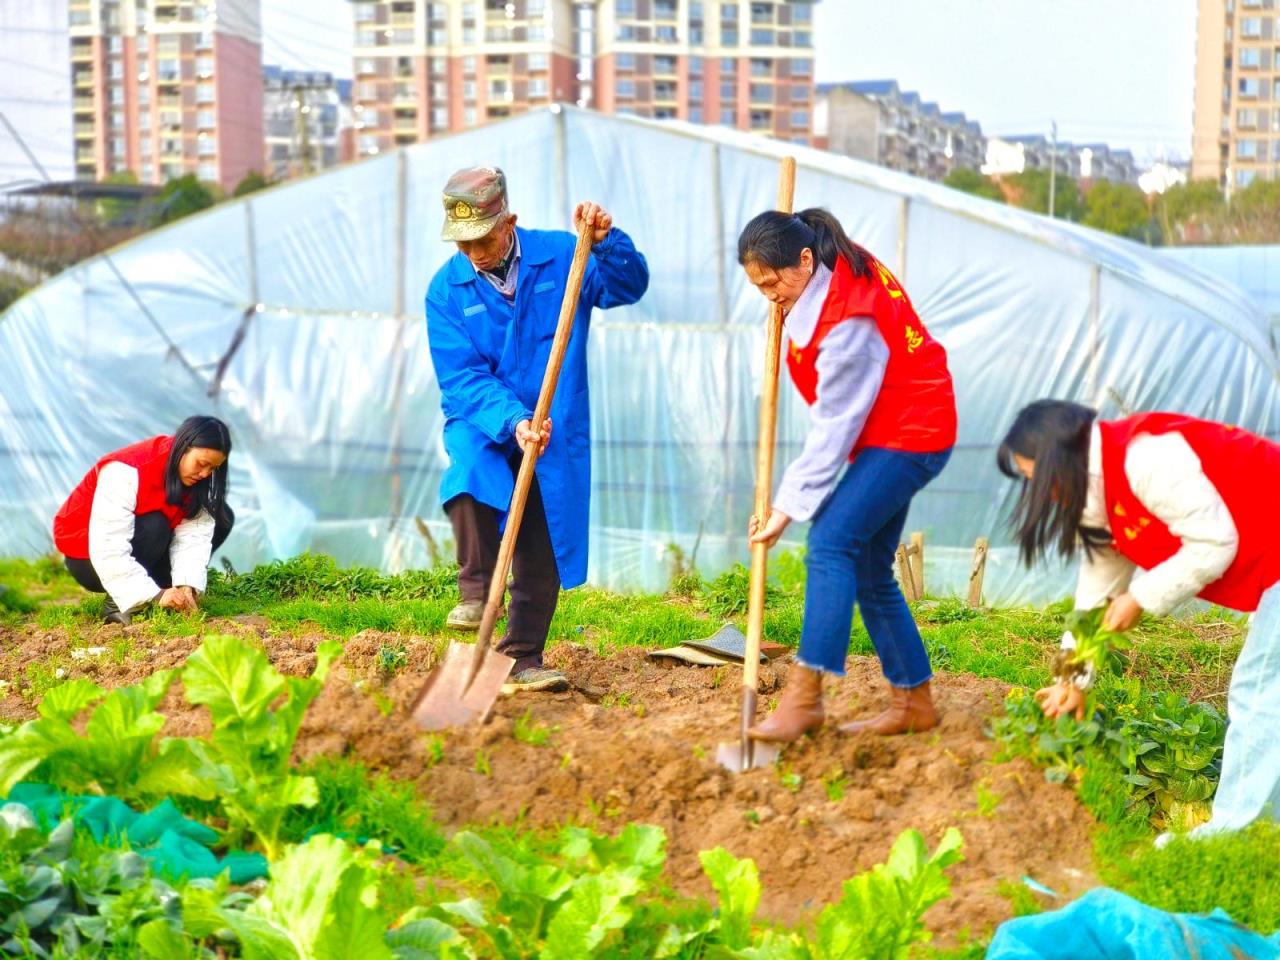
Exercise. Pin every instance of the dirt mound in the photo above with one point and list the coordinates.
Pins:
(634, 741)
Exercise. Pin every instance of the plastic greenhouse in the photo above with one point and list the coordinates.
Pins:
(296, 315)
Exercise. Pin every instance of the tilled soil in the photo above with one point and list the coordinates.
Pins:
(635, 741)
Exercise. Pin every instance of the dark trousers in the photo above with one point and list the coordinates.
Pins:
(535, 580)
(152, 537)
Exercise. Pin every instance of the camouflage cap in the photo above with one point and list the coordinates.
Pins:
(474, 199)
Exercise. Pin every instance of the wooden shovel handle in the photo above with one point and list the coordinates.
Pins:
(524, 479)
(764, 454)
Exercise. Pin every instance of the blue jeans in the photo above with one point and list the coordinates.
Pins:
(850, 555)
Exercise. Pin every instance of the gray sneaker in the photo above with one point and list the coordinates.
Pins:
(536, 680)
(468, 614)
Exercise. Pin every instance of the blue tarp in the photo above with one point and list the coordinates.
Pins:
(1107, 925)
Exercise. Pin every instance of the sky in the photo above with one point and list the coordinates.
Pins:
(1112, 71)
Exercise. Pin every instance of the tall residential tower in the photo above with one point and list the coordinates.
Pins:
(165, 88)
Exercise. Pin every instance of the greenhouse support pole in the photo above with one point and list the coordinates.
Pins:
(399, 359)
(562, 162)
(251, 251)
(903, 218)
(722, 301)
(1095, 334)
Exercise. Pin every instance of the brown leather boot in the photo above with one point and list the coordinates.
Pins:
(910, 711)
(799, 708)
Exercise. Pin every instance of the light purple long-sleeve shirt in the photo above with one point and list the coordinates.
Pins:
(851, 363)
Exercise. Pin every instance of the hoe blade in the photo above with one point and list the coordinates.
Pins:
(448, 700)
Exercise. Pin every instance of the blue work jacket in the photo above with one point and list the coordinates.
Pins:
(490, 356)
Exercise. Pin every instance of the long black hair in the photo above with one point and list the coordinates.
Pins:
(775, 239)
(1055, 434)
(210, 493)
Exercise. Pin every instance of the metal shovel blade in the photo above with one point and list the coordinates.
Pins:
(747, 753)
(447, 700)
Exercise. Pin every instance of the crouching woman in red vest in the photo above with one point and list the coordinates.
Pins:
(882, 424)
(1165, 508)
(144, 521)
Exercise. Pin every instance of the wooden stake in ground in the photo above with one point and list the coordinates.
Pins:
(977, 572)
(904, 574)
(916, 553)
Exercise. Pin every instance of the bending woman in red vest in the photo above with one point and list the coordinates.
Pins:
(1166, 508)
(882, 424)
(143, 522)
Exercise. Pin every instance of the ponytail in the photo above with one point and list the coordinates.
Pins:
(830, 242)
(775, 240)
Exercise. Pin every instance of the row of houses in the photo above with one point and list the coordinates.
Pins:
(877, 120)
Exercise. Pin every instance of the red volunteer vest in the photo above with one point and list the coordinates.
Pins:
(1245, 469)
(916, 407)
(149, 458)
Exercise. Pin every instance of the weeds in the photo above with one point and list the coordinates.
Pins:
(835, 783)
(529, 731)
(482, 764)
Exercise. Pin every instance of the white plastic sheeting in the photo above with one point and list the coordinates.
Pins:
(1253, 269)
(296, 315)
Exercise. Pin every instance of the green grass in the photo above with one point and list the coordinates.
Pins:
(1191, 657)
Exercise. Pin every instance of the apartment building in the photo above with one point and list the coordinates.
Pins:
(877, 121)
(165, 88)
(427, 68)
(740, 63)
(1236, 122)
(303, 115)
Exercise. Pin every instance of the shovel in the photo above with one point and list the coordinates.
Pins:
(465, 686)
(748, 753)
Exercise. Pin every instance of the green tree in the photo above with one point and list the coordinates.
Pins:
(971, 181)
(1031, 192)
(253, 181)
(182, 197)
(1255, 213)
(1194, 212)
(113, 210)
(1119, 208)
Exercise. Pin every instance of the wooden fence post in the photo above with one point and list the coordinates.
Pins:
(904, 574)
(977, 572)
(916, 552)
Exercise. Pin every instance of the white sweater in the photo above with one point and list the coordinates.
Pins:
(1166, 476)
(111, 534)
(850, 364)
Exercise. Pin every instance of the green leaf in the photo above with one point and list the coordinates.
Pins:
(233, 679)
(737, 883)
(31, 745)
(65, 701)
(421, 939)
(159, 940)
(469, 911)
(596, 905)
(325, 897)
(180, 768)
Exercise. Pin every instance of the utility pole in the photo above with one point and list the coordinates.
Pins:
(303, 127)
(1053, 166)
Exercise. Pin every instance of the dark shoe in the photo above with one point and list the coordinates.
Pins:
(910, 711)
(536, 680)
(468, 614)
(113, 614)
(799, 708)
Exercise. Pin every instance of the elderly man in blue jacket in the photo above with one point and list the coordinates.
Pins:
(491, 316)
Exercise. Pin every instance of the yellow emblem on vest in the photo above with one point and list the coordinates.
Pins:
(914, 338)
(462, 210)
(1121, 511)
(887, 280)
(795, 351)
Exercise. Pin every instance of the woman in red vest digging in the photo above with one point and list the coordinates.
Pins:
(881, 403)
(144, 521)
(1166, 508)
